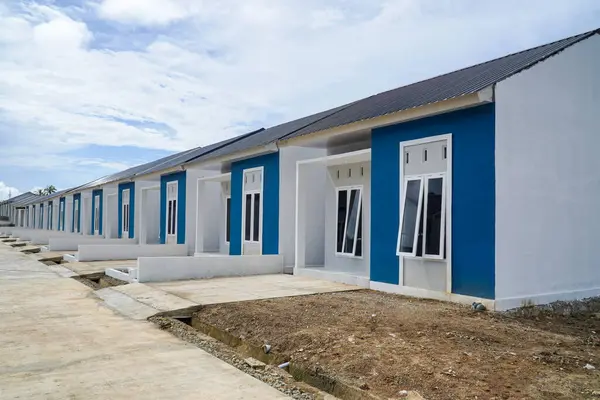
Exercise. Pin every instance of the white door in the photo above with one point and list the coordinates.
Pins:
(50, 216)
(125, 214)
(171, 227)
(97, 215)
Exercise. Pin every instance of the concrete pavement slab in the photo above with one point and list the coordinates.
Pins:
(59, 341)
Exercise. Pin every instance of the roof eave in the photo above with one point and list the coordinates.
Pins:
(480, 97)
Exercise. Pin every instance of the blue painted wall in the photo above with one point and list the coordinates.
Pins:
(97, 192)
(50, 211)
(473, 197)
(61, 221)
(180, 177)
(76, 229)
(270, 217)
(131, 187)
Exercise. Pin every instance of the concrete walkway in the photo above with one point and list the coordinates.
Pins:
(58, 341)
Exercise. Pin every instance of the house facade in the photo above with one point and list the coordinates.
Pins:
(477, 185)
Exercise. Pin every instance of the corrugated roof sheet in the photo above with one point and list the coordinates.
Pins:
(42, 199)
(199, 152)
(24, 199)
(454, 84)
(269, 135)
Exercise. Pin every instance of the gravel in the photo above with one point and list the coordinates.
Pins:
(271, 375)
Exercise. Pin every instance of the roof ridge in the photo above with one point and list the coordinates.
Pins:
(580, 37)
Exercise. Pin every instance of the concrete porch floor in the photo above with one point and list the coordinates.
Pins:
(140, 300)
(58, 341)
(93, 267)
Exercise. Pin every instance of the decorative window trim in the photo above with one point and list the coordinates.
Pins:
(360, 217)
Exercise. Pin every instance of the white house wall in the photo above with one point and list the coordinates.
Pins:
(110, 212)
(548, 179)
(192, 176)
(210, 223)
(151, 219)
(335, 262)
(288, 157)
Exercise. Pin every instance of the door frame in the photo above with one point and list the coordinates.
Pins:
(252, 192)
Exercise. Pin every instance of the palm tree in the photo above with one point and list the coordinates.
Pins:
(50, 189)
(40, 192)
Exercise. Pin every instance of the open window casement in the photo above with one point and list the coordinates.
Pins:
(423, 217)
(349, 222)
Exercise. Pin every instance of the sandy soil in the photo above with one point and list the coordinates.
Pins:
(387, 343)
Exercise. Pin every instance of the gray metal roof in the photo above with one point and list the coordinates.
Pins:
(454, 84)
(269, 135)
(43, 199)
(161, 164)
(23, 199)
(200, 152)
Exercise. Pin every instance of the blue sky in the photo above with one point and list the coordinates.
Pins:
(91, 88)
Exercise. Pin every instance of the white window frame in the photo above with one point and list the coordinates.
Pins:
(448, 184)
(349, 189)
(252, 194)
(41, 221)
(50, 212)
(125, 206)
(96, 214)
(419, 205)
(261, 211)
(61, 212)
(225, 198)
(175, 214)
(76, 215)
(426, 179)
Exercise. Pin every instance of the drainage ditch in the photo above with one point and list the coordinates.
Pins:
(98, 280)
(294, 379)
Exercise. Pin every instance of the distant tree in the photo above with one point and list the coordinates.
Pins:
(46, 191)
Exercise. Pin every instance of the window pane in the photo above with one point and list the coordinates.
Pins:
(256, 217)
(174, 217)
(358, 251)
(409, 217)
(419, 252)
(169, 210)
(248, 216)
(228, 219)
(352, 220)
(341, 219)
(434, 216)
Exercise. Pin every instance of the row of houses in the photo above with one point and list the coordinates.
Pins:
(478, 185)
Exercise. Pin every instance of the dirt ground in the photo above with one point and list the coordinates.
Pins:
(386, 343)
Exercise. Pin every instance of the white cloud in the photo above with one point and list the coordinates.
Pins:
(7, 191)
(146, 12)
(215, 69)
